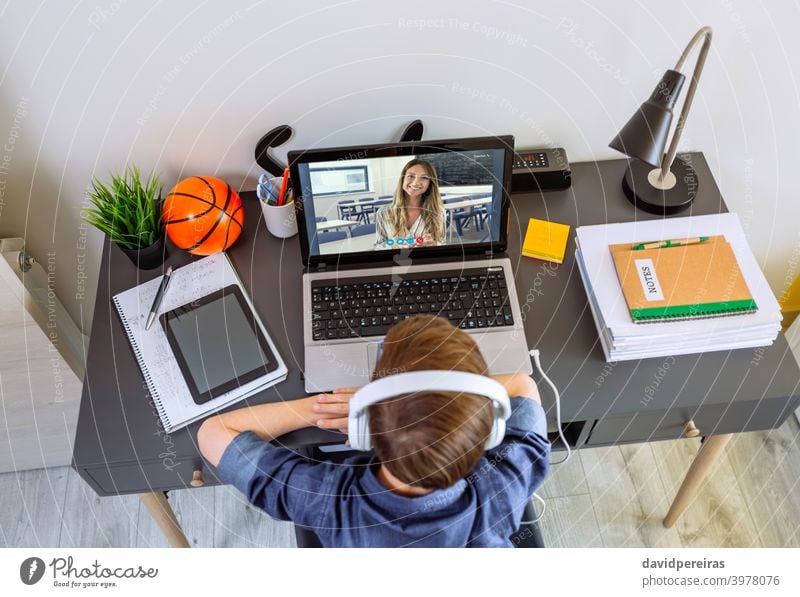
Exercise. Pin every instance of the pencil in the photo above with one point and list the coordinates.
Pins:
(284, 184)
(663, 244)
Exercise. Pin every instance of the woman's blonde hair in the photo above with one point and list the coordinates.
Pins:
(432, 205)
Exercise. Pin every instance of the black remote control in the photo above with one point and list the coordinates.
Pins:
(540, 170)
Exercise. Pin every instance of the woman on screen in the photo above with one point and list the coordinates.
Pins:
(416, 211)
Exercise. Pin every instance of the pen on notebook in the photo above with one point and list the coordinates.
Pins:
(284, 184)
(663, 244)
(162, 290)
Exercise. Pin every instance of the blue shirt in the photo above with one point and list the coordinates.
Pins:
(347, 506)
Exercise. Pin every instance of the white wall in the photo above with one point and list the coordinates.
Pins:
(188, 89)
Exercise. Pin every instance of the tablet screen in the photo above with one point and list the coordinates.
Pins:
(217, 343)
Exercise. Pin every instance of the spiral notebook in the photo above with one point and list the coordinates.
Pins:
(161, 371)
(686, 282)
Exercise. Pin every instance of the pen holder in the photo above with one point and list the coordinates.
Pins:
(280, 219)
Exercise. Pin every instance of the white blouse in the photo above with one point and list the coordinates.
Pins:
(383, 229)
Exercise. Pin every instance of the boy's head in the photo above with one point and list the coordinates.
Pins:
(433, 439)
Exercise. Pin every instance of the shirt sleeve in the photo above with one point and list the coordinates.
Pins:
(277, 480)
(521, 461)
(527, 415)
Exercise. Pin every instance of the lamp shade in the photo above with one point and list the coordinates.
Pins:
(645, 134)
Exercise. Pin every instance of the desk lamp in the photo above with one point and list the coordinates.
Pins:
(654, 181)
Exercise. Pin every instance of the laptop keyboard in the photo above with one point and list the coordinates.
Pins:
(359, 308)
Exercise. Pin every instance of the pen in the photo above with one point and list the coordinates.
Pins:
(283, 186)
(162, 290)
(267, 193)
(663, 244)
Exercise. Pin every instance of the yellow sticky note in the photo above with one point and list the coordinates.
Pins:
(546, 240)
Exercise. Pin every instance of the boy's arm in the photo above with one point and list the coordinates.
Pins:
(521, 461)
(267, 421)
(334, 407)
(277, 480)
(519, 385)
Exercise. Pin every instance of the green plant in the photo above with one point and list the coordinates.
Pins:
(128, 210)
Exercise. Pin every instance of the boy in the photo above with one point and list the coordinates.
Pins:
(430, 483)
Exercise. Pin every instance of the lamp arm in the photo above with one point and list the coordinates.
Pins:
(705, 34)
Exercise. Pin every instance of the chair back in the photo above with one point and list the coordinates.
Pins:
(327, 236)
(362, 230)
(346, 208)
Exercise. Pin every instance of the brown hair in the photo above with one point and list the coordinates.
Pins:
(430, 439)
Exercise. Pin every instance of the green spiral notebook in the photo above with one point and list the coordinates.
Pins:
(682, 282)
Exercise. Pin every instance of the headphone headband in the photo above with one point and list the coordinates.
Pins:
(414, 382)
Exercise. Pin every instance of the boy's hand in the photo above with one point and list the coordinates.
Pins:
(333, 408)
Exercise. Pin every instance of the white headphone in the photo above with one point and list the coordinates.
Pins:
(427, 381)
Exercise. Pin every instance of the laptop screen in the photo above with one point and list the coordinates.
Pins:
(423, 198)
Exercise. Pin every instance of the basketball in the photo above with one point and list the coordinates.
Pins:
(203, 215)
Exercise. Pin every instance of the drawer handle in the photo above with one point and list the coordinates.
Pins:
(197, 479)
(691, 430)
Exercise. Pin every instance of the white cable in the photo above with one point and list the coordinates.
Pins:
(535, 354)
(541, 515)
(544, 506)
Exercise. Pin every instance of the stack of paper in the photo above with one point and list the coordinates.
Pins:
(623, 340)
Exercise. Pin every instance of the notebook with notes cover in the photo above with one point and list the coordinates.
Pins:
(685, 282)
(165, 380)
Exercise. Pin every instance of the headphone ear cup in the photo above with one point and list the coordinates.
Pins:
(358, 431)
(365, 441)
(497, 434)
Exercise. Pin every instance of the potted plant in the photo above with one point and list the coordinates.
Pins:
(128, 211)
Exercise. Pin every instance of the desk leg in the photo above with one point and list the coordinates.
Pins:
(710, 451)
(165, 518)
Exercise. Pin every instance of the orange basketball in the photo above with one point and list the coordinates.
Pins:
(203, 215)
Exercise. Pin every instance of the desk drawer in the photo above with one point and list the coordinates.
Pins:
(148, 476)
(711, 419)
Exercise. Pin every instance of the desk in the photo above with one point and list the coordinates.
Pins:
(371, 201)
(361, 204)
(121, 448)
(334, 224)
(468, 203)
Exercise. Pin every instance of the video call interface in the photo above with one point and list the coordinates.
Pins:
(407, 202)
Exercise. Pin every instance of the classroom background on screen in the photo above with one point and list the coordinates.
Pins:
(343, 211)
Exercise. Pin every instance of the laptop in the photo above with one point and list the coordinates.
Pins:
(371, 259)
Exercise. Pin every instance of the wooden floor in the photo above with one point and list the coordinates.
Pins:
(611, 497)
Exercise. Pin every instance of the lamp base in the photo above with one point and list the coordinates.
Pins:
(646, 197)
